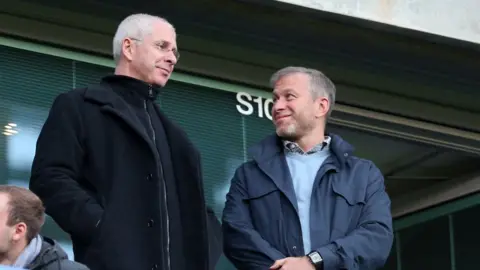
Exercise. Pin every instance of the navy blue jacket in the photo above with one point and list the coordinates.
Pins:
(350, 218)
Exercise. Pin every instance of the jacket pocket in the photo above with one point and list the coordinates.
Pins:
(348, 206)
(265, 209)
(261, 191)
(97, 234)
(353, 196)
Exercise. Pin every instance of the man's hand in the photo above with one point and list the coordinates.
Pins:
(293, 263)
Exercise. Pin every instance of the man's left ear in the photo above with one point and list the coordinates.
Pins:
(323, 105)
(20, 231)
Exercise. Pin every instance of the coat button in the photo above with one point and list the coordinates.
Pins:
(150, 223)
(294, 247)
(155, 266)
(150, 177)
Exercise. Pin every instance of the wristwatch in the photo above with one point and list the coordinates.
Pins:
(316, 260)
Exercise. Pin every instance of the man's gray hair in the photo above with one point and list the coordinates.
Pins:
(134, 26)
(320, 84)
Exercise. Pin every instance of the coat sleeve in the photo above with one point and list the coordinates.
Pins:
(242, 244)
(58, 165)
(368, 246)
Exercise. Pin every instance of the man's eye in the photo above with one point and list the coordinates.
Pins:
(161, 45)
(164, 45)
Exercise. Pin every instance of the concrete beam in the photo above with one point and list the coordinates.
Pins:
(449, 18)
(436, 194)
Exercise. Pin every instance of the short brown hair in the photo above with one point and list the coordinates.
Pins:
(25, 207)
(320, 84)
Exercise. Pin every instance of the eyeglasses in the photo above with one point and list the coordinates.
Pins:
(163, 46)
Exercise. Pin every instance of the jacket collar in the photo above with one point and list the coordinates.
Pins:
(50, 253)
(132, 86)
(272, 145)
(270, 158)
(131, 90)
(112, 102)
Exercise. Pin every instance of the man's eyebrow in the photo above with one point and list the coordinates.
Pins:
(164, 42)
(283, 91)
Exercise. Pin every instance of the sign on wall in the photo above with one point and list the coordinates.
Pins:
(251, 105)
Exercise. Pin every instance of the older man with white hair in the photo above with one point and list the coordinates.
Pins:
(116, 174)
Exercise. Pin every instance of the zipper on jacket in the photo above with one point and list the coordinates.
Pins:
(150, 94)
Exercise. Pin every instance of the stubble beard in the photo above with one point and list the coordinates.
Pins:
(288, 133)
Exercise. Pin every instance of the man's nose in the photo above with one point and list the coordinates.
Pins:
(171, 58)
(278, 105)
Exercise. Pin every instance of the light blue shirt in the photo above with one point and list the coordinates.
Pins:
(303, 170)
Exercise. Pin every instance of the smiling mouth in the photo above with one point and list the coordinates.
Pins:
(281, 117)
(165, 71)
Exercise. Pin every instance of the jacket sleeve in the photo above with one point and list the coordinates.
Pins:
(57, 166)
(242, 244)
(368, 246)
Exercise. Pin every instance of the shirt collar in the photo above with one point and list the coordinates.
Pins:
(293, 147)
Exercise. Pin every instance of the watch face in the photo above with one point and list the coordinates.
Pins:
(315, 257)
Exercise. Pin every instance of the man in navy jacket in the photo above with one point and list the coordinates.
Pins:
(304, 201)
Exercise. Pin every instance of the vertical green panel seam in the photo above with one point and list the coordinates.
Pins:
(74, 74)
(399, 251)
(451, 234)
(244, 137)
